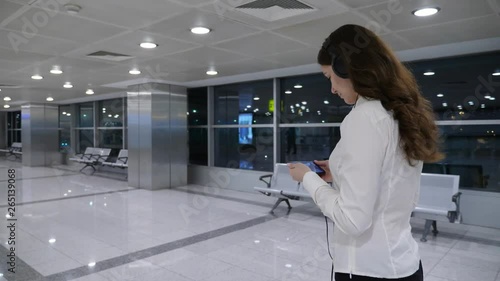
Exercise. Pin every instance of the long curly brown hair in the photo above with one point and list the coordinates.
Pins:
(376, 73)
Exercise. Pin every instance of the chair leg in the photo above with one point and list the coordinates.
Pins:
(277, 204)
(427, 229)
(288, 203)
(434, 227)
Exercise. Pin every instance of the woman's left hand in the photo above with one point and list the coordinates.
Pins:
(298, 170)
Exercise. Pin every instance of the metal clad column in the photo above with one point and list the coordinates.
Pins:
(157, 135)
(40, 135)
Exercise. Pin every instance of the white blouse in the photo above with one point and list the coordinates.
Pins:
(374, 192)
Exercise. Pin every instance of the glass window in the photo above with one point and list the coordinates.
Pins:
(86, 115)
(462, 88)
(64, 138)
(111, 138)
(14, 120)
(244, 102)
(65, 116)
(197, 106)
(198, 149)
(111, 113)
(85, 139)
(308, 99)
(306, 144)
(244, 148)
(473, 153)
(17, 119)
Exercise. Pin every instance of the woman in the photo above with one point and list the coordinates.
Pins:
(375, 167)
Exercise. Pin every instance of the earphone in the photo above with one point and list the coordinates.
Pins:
(338, 65)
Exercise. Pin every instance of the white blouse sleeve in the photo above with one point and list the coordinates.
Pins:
(364, 143)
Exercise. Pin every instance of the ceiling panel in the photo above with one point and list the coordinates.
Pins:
(296, 57)
(36, 44)
(467, 30)
(160, 66)
(8, 9)
(321, 27)
(179, 27)
(268, 44)
(24, 57)
(396, 42)
(193, 3)
(403, 19)
(207, 56)
(72, 68)
(361, 3)
(246, 66)
(128, 44)
(12, 65)
(63, 26)
(24, 2)
(127, 13)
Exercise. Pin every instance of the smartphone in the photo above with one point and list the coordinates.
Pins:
(315, 168)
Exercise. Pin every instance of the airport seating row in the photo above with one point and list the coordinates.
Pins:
(15, 150)
(439, 196)
(93, 156)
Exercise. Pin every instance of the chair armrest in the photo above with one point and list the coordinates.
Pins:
(262, 178)
(456, 199)
(124, 160)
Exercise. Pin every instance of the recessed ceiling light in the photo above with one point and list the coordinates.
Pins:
(471, 103)
(36, 77)
(72, 9)
(492, 98)
(135, 72)
(6, 106)
(298, 86)
(56, 70)
(496, 73)
(459, 106)
(425, 12)
(483, 105)
(200, 30)
(288, 92)
(487, 97)
(52, 241)
(256, 98)
(445, 104)
(429, 73)
(297, 105)
(304, 102)
(50, 99)
(249, 106)
(148, 45)
(326, 102)
(7, 99)
(440, 95)
(212, 72)
(68, 85)
(91, 264)
(89, 92)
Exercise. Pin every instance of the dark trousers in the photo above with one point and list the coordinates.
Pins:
(417, 276)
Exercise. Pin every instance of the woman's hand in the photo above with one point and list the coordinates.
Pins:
(298, 170)
(325, 165)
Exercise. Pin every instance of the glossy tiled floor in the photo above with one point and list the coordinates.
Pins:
(88, 228)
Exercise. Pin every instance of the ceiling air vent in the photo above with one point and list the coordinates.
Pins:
(273, 10)
(7, 86)
(103, 55)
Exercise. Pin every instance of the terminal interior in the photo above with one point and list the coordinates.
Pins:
(133, 135)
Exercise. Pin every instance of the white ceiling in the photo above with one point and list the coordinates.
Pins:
(37, 34)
